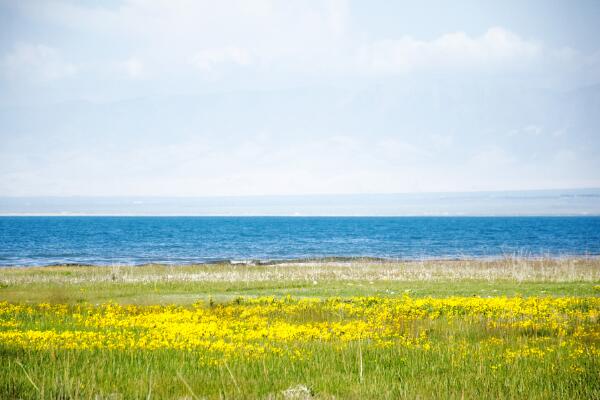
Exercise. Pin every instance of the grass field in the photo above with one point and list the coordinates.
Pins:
(438, 329)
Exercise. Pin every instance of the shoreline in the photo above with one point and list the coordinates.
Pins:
(319, 261)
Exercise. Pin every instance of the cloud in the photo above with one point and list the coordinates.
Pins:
(497, 47)
(492, 157)
(303, 39)
(36, 63)
(208, 59)
(185, 37)
(566, 156)
(527, 130)
(398, 151)
(134, 68)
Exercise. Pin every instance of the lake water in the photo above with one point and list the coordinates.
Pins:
(139, 240)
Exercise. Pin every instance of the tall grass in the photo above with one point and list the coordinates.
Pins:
(509, 269)
(386, 374)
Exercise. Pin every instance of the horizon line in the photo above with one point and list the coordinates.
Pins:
(476, 191)
(433, 215)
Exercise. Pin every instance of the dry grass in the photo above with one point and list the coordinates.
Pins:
(517, 270)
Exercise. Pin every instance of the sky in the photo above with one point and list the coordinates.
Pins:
(243, 98)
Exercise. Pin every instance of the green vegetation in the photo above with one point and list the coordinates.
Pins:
(159, 284)
(439, 329)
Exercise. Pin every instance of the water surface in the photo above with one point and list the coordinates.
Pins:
(139, 240)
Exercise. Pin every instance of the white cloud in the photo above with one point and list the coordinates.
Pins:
(181, 38)
(398, 151)
(293, 38)
(441, 142)
(208, 59)
(528, 130)
(492, 157)
(338, 16)
(565, 156)
(498, 47)
(289, 42)
(134, 68)
(36, 63)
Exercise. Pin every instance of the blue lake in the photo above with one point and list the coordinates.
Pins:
(139, 240)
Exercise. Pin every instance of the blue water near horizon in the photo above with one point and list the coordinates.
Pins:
(28, 241)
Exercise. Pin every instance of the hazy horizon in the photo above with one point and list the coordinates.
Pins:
(582, 202)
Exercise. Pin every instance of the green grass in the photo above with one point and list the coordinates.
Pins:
(191, 292)
(458, 367)
(386, 374)
(187, 284)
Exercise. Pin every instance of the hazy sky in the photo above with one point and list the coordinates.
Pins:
(177, 98)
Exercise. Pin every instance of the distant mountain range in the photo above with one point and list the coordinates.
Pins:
(504, 203)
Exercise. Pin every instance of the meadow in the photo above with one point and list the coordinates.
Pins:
(510, 328)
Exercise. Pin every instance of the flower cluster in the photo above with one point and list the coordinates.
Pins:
(254, 327)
